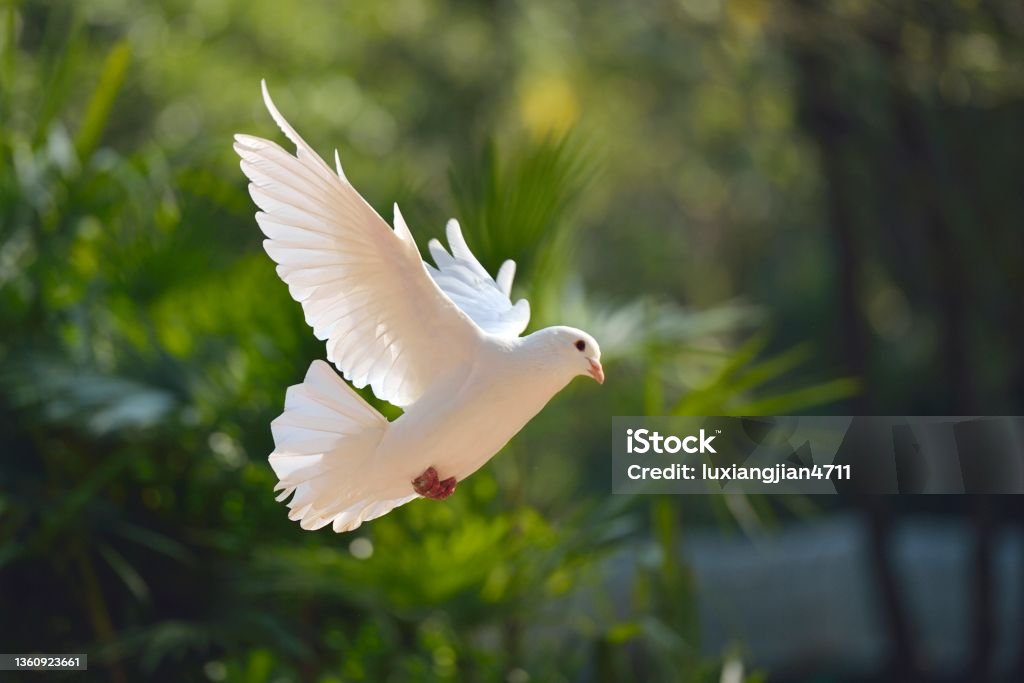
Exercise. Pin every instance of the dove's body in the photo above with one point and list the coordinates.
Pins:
(474, 415)
(442, 343)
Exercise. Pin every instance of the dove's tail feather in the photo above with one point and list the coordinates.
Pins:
(323, 441)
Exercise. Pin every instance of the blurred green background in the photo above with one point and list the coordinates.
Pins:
(756, 208)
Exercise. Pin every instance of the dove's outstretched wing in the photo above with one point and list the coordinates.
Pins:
(486, 300)
(363, 286)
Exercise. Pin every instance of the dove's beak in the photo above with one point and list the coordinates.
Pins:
(596, 371)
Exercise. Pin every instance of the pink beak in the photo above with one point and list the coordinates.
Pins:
(596, 371)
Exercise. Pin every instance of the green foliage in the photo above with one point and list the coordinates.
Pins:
(147, 341)
(726, 390)
(521, 208)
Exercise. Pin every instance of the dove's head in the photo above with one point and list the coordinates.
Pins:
(574, 350)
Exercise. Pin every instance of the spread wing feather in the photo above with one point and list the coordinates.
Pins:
(481, 297)
(363, 287)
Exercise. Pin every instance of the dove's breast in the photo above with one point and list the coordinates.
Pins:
(459, 425)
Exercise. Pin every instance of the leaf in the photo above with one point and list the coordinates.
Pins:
(126, 572)
(519, 207)
(98, 111)
(155, 541)
(626, 631)
(94, 402)
(67, 43)
(801, 399)
(717, 388)
(773, 368)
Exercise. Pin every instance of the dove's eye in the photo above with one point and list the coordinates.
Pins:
(581, 345)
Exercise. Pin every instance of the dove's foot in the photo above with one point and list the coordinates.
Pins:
(429, 486)
(424, 483)
(444, 488)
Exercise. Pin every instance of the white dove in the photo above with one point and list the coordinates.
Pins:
(442, 343)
